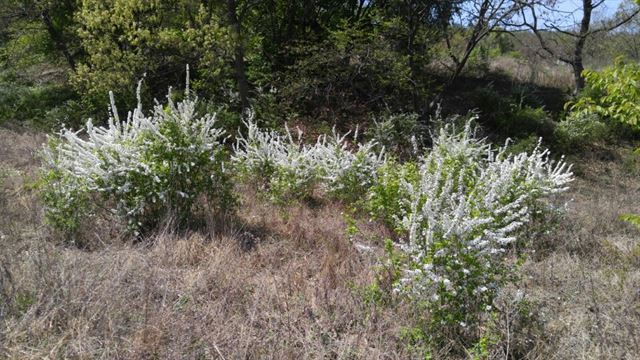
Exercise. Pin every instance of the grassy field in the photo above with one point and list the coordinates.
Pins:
(289, 284)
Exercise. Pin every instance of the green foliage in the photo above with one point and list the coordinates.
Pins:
(333, 60)
(631, 162)
(399, 134)
(612, 94)
(33, 86)
(417, 341)
(522, 145)
(125, 39)
(526, 120)
(579, 129)
(354, 65)
(26, 48)
(632, 219)
(287, 184)
(511, 116)
(31, 104)
(480, 350)
(386, 198)
(67, 199)
(23, 301)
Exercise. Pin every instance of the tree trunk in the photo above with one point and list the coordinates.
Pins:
(577, 64)
(413, 69)
(480, 30)
(239, 65)
(57, 39)
(578, 68)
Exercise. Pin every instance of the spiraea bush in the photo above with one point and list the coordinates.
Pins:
(346, 174)
(467, 207)
(385, 198)
(288, 169)
(281, 164)
(144, 169)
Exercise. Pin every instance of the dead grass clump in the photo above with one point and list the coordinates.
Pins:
(191, 296)
(19, 149)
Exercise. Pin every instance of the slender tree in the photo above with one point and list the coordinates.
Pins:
(478, 18)
(566, 42)
(57, 18)
(238, 46)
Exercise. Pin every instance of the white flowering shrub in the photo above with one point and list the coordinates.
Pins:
(287, 168)
(346, 174)
(143, 169)
(66, 197)
(282, 164)
(469, 205)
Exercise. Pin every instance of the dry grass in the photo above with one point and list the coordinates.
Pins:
(283, 283)
(586, 276)
(542, 72)
(190, 297)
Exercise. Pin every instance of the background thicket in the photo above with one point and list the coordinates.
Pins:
(318, 62)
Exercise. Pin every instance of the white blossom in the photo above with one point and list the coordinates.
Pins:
(473, 200)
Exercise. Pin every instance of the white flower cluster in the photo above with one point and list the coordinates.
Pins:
(145, 164)
(343, 170)
(269, 154)
(470, 202)
(328, 163)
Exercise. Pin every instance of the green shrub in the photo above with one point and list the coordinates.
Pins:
(527, 144)
(144, 169)
(489, 102)
(386, 197)
(524, 120)
(579, 129)
(67, 199)
(632, 219)
(26, 103)
(354, 66)
(512, 116)
(398, 133)
(612, 94)
(65, 114)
